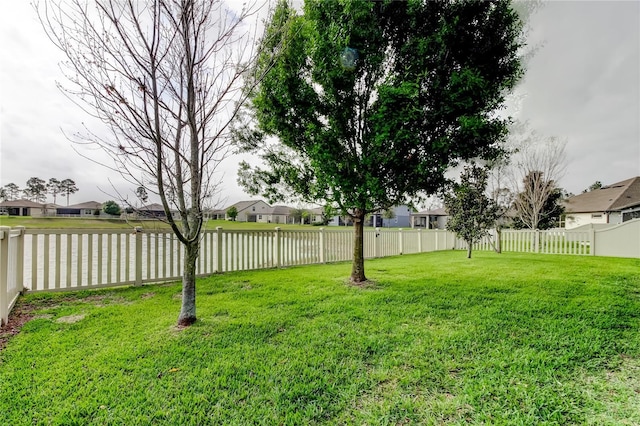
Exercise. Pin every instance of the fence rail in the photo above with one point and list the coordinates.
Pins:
(73, 259)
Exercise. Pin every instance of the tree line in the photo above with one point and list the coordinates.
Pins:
(37, 189)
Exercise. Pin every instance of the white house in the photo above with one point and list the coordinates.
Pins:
(251, 211)
(611, 204)
(430, 219)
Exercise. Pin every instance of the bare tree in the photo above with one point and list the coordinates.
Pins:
(166, 77)
(536, 167)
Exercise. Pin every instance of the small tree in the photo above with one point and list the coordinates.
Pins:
(4, 195)
(297, 215)
(68, 187)
(232, 212)
(389, 214)
(112, 208)
(471, 212)
(328, 213)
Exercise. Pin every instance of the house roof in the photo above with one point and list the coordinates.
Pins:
(435, 212)
(243, 205)
(615, 197)
(86, 205)
(154, 207)
(284, 210)
(21, 203)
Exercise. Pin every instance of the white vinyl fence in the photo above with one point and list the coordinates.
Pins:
(74, 259)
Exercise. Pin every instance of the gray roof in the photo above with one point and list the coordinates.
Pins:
(284, 210)
(435, 212)
(615, 197)
(243, 205)
(154, 207)
(86, 205)
(21, 203)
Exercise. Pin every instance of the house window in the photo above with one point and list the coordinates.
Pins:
(596, 216)
(259, 217)
(253, 209)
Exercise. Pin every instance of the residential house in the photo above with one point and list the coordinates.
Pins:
(400, 218)
(278, 214)
(251, 211)
(87, 209)
(430, 219)
(23, 207)
(217, 214)
(154, 210)
(611, 204)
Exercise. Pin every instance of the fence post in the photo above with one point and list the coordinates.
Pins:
(278, 251)
(400, 239)
(536, 242)
(20, 258)
(138, 255)
(218, 248)
(436, 242)
(376, 245)
(4, 273)
(592, 241)
(419, 240)
(322, 246)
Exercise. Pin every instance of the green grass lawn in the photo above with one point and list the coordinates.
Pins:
(439, 339)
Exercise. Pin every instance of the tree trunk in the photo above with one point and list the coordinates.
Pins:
(357, 268)
(469, 248)
(188, 310)
(498, 246)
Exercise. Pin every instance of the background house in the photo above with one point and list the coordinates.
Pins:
(89, 208)
(430, 219)
(611, 204)
(23, 208)
(249, 211)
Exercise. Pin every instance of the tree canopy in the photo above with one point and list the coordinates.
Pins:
(371, 102)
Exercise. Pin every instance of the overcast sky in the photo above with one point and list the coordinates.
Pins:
(583, 85)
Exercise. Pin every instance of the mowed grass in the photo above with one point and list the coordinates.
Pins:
(438, 339)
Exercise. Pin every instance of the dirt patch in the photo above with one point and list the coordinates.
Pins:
(369, 284)
(70, 319)
(17, 318)
(147, 295)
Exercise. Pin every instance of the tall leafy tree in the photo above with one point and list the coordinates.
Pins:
(36, 190)
(68, 187)
(471, 212)
(594, 186)
(232, 212)
(112, 208)
(53, 188)
(4, 194)
(13, 191)
(371, 102)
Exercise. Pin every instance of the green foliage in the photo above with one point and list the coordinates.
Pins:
(471, 212)
(596, 185)
(371, 102)
(232, 212)
(509, 339)
(420, 96)
(36, 190)
(111, 207)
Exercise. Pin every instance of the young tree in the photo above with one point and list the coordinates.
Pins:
(53, 187)
(4, 194)
(537, 166)
(371, 102)
(36, 190)
(68, 187)
(112, 208)
(389, 214)
(166, 78)
(471, 212)
(550, 210)
(232, 212)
